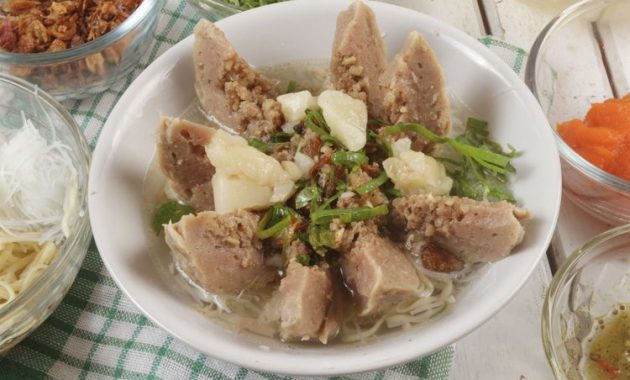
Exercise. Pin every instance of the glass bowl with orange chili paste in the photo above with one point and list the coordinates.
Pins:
(579, 70)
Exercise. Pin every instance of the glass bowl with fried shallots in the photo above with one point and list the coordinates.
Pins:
(75, 48)
(577, 70)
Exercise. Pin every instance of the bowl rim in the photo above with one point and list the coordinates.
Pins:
(136, 18)
(533, 60)
(559, 280)
(65, 251)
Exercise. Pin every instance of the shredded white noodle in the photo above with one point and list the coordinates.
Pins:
(38, 185)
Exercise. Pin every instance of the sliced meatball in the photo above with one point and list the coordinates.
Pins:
(305, 298)
(229, 89)
(379, 274)
(475, 231)
(413, 87)
(346, 234)
(182, 158)
(220, 252)
(438, 259)
(330, 328)
(358, 56)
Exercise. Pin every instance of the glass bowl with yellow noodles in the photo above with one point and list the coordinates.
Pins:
(44, 226)
(586, 314)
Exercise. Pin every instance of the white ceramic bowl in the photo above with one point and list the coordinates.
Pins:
(299, 30)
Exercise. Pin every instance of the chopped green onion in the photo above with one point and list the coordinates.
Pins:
(275, 229)
(488, 159)
(274, 140)
(280, 137)
(391, 191)
(306, 196)
(275, 220)
(387, 147)
(485, 158)
(320, 237)
(292, 86)
(318, 117)
(375, 122)
(302, 236)
(341, 188)
(259, 144)
(473, 175)
(346, 158)
(303, 259)
(169, 212)
(372, 184)
(314, 120)
(347, 215)
(417, 128)
(478, 126)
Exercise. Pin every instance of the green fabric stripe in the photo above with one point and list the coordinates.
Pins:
(108, 322)
(518, 63)
(240, 375)
(14, 370)
(128, 344)
(180, 16)
(158, 358)
(197, 367)
(93, 308)
(272, 376)
(98, 368)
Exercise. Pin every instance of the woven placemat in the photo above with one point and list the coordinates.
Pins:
(97, 333)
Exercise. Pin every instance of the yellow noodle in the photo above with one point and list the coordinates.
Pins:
(21, 263)
(430, 299)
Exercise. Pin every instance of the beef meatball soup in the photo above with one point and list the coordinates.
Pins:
(334, 214)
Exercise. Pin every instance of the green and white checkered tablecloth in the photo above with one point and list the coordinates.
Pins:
(97, 333)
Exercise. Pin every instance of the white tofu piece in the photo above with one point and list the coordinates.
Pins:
(347, 118)
(294, 105)
(242, 169)
(416, 173)
(232, 193)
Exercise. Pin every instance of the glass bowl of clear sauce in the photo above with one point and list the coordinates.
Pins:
(586, 314)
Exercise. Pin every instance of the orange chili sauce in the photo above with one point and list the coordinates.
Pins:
(603, 138)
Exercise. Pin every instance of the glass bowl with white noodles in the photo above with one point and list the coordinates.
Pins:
(44, 227)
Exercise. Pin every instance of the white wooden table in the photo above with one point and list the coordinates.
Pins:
(509, 345)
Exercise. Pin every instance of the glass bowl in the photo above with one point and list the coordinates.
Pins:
(32, 306)
(92, 67)
(588, 285)
(570, 66)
